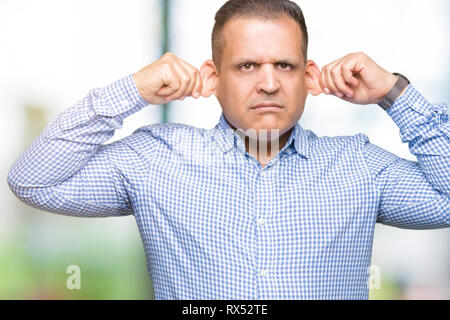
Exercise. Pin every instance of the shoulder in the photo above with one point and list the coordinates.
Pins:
(165, 136)
(326, 145)
(357, 146)
(168, 133)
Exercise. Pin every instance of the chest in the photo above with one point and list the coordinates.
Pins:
(296, 197)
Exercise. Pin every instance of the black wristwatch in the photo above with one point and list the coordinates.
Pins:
(399, 86)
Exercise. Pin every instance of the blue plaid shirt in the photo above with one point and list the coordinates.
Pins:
(214, 223)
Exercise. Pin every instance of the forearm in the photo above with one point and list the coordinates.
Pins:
(74, 136)
(426, 128)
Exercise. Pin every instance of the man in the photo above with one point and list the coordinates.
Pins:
(257, 207)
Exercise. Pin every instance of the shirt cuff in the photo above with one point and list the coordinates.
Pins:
(123, 96)
(410, 110)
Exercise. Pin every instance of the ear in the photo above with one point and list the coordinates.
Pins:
(312, 77)
(210, 78)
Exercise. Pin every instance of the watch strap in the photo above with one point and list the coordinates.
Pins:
(399, 86)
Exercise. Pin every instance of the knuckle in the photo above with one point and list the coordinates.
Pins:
(168, 71)
(185, 79)
(169, 56)
(335, 71)
(176, 82)
(166, 66)
(193, 76)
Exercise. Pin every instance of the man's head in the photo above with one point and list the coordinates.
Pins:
(262, 9)
(259, 58)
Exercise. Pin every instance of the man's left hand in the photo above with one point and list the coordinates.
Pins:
(356, 78)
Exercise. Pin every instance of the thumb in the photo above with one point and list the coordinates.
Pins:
(168, 88)
(166, 91)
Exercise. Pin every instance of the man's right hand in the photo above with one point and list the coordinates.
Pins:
(168, 79)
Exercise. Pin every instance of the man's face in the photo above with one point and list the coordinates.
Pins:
(262, 63)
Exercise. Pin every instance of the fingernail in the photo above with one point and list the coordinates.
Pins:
(340, 95)
(327, 91)
(196, 94)
(348, 95)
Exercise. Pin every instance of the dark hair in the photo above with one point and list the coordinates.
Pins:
(267, 9)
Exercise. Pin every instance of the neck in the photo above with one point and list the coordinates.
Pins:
(265, 151)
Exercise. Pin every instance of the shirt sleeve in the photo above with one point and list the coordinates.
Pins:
(67, 169)
(414, 195)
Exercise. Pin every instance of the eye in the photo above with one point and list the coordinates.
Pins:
(248, 66)
(284, 66)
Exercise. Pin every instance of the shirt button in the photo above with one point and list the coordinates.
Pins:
(263, 273)
(261, 222)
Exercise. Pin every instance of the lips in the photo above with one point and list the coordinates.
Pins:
(267, 105)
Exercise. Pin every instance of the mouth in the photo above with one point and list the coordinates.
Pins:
(265, 107)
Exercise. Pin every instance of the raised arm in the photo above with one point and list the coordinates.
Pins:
(412, 194)
(68, 169)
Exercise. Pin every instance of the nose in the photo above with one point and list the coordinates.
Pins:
(268, 81)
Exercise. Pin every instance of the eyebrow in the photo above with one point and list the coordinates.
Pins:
(240, 61)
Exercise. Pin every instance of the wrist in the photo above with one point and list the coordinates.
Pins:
(137, 84)
(396, 91)
(390, 82)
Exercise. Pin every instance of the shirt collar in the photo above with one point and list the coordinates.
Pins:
(228, 139)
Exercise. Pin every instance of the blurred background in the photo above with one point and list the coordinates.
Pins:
(53, 52)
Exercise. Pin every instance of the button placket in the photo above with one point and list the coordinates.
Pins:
(264, 196)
